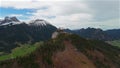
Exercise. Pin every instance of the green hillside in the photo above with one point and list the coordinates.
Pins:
(115, 43)
(99, 53)
(23, 50)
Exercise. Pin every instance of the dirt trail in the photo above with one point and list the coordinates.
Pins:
(71, 58)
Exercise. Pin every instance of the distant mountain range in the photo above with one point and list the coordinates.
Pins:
(65, 50)
(13, 32)
(96, 33)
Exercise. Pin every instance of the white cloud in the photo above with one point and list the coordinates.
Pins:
(42, 0)
(107, 24)
(17, 15)
(21, 4)
(67, 14)
(70, 14)
(72, 21)
(81, 17)
(1, 18)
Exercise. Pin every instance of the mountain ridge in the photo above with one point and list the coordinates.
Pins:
(9, 21)
(97, 33)
(64, 50)
(24, 33)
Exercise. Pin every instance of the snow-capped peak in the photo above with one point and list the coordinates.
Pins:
(9, 21)
(38, 22)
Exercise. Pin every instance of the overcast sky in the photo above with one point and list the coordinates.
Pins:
(74, 14)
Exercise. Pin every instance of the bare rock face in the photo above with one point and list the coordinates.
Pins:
(57, 32)
(54, 35)
(9, 20)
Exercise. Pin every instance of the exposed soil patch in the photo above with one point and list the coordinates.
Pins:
(71, 58)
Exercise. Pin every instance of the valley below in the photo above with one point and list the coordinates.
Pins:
(114, 43)
(39, 44)
(65, 51)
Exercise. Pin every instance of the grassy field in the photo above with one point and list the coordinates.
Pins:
(20, 51)
(115, 43)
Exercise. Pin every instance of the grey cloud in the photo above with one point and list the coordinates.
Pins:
(73, 14)
(105, 10)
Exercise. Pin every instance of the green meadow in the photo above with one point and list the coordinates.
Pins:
(24, 49)
(115, 43)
